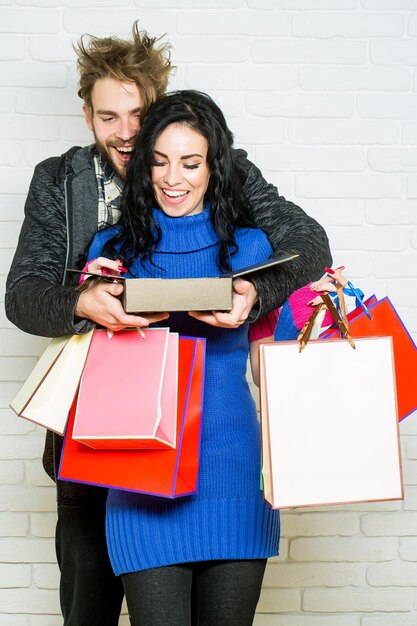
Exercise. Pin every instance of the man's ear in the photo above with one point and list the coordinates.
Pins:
(87, 117)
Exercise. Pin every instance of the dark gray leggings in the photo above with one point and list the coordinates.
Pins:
(208, 593)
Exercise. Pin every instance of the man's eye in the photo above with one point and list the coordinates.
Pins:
(107, 119)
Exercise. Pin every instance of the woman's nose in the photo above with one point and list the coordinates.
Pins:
(172, 176)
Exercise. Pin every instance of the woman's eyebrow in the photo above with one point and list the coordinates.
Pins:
(186, 156)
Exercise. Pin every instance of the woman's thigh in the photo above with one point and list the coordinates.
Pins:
(159, 596)
(227, 592)
(218, 592)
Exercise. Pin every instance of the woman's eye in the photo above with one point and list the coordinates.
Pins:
(158, 163)
(191, 166)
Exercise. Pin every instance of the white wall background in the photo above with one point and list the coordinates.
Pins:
(323, 95)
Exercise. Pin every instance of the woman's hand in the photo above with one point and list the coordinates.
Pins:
(102, 265)
(244, 297)
(328, 283)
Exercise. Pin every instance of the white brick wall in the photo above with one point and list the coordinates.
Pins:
(323, 95)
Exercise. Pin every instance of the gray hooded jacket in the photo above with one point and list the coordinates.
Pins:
(61, 218)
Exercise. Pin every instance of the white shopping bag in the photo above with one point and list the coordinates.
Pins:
(47, 395)
(329, 423)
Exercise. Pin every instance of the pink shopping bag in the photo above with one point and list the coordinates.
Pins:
(128, 391)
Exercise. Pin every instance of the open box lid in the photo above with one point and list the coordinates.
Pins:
(249, 269)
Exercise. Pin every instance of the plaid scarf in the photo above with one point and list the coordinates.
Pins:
(110, 187)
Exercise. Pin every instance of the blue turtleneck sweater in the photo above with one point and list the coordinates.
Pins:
(228, 517)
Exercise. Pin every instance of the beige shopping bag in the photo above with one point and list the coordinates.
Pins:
(39, 373)
(48, 393)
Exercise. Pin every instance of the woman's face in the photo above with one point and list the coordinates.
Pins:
(180, 174)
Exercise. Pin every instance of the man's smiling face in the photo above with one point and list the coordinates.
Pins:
(114, 120)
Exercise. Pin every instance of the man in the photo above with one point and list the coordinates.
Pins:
(70, 198)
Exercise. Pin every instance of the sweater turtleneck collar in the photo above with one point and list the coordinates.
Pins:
(185, 234)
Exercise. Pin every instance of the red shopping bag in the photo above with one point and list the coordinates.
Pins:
(330, 332)
(386, 321)
(169, 472)
(128, 391)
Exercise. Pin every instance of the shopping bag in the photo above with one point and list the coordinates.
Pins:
(40, 371)
(386, 321)
(341, 448)
(47, 395)
(332, 332)
(167, 473)
(128, 391)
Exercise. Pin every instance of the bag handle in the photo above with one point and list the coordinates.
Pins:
(339, 318)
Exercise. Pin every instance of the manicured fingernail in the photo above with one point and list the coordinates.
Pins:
(121, 268)
(329, 270)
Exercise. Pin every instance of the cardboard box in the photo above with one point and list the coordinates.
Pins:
(147, 295)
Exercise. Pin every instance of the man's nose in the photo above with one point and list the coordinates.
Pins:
(128, 129)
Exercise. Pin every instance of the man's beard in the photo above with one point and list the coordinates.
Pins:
(105, 152)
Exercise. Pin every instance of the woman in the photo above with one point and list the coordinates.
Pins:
(198, 559)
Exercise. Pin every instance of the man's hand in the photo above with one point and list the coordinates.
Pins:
(100, 303)
(244, 297)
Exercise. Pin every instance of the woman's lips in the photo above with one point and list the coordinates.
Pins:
(175, 197)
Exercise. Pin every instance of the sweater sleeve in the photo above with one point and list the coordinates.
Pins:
(264, 326)
(36, 301)
(290, 230)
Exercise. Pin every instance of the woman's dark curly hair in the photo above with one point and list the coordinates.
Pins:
(140, 234)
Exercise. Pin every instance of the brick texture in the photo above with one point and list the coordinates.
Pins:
(323, 96)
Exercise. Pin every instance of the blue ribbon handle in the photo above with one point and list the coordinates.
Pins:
(353, 291)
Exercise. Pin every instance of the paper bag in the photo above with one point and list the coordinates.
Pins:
(48, 393)
(329, 423)
(128, 391)
(386, 322)
(168, 473)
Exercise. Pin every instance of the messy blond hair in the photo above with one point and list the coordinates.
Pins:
(139, 60)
